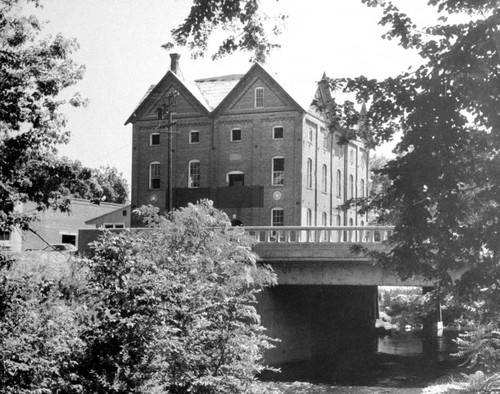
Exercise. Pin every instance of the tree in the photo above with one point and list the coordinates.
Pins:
(445, 181)
(173, 307)
(33, 71)
(243, 18)
(95, 184)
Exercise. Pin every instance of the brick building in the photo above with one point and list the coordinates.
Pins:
(244, 142)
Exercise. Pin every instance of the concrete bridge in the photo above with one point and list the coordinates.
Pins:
(322, 255)
(326, 299)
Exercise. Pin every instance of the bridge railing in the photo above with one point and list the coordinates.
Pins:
(336, 234)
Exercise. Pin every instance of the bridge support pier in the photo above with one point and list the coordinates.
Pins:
(316, 322)
(434, 322)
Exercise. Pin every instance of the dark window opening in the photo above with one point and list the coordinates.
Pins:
(4, 235)
(194, 137)
(236, 179)
(68, 239)
(278, 133)
(155, 139)
(236, 135)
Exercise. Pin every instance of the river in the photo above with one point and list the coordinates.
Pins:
(403, 359)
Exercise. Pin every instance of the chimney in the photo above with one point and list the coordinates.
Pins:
(174, 62)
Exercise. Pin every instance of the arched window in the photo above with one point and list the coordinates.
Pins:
(324, 179)
(339, 221)
(338, 182)
(309, 217)
(235, 178)
(277, 217)
(309, 173)
(278, 171)
(194, 174)
(324, 219)
(154, 175)
(362, 188)
(351, 186)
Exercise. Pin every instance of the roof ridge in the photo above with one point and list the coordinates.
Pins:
(220, 77)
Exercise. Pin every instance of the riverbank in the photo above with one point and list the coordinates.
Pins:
(309, 388)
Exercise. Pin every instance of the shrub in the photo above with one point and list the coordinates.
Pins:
(40, 325)
(173, 307)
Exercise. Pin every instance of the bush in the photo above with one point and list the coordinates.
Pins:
(173, 307)
(41, 321)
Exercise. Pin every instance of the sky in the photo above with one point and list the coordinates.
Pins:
(120, 45)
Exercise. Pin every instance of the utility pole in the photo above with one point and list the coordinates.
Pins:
(169, 107)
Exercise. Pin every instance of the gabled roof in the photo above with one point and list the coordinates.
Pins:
(215, 89)
(154, 91)
(212, 92)
(256, 68)
(93, 220)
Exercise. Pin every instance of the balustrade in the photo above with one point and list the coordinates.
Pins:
(337, 234)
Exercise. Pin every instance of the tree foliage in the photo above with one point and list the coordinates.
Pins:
(444, 182)
(174, 307)
(245, 24)
(33, 71)
(94, 184)
(41, 319)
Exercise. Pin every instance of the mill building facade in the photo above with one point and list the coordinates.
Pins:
(247, 144)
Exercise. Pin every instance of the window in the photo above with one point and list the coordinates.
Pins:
(68, 239)
(324, 219)
(325, 138)
(236, 135)
(259, 97)
(324, 179)
(339, 220)
(363, 159)
(310, 134)
(351, 157)
(4, 235)
(309, 173)
(154, 139)
(236, 178)
(362, 189)
(278, 171)
(194, 137)
(338, 182)
(172, 102)
(154, 175)
(277, 217)
(194, 174)
(114, 225)
(277, 133)
(309, 217)
(351, 186)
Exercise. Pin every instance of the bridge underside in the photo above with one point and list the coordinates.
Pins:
(316, 322)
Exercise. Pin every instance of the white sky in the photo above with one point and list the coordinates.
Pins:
(120, 44)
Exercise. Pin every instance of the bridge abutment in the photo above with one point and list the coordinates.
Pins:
(315, 322)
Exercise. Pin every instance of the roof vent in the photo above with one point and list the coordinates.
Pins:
(174, 62)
